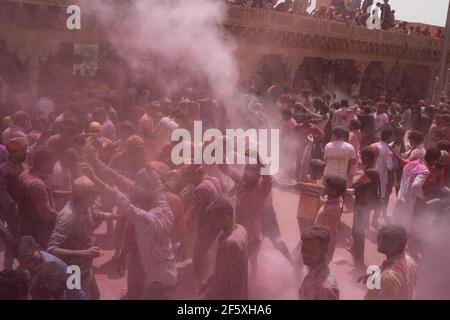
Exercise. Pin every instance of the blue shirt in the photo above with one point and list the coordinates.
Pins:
(70, 294)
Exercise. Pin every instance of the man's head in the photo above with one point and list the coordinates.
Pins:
(49, 283)
(432, 157)
(381, 107)
(339, 133)
(26, 251)
(193, 173)
(70, 125)
(94, 127)
(125, 129)
(220, 215)
(17, 147)
(392, 240)
(14, 285)
(22, 120)
(315, 242)
(354, 125)
(134, 146)
(335, 187)
(143, 195)
(99, 114)
(317, 167)
(386, 134)
(368, 156)
(415, 138)
(399, 134)
(69, 159)
(84, 192)
(43, 159)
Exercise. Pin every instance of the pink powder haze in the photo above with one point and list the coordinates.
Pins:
(183, 36)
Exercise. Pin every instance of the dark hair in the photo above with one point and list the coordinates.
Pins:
(344, 103)
(49, 283)
(354, 125)
(317, 164)
(220, 207)
(25, 245)
(71, 154)
(127, 126)
(386, 134)
(20, 118)
(41, 156)
(444, 145)
(396, 234)
(432, 154)
(14, 284)
(340, 132)
(367, 110)
(337, 183)
(416, 136)
(317, 233)
(399, 131)
(369, 153)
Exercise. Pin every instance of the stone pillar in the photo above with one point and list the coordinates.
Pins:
(33, 75)
(362, 66)
(388, 67)
(292, 64)
(248, 64)
(121, 85)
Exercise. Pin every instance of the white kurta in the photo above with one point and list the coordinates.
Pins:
(385, 163)
(415, 174)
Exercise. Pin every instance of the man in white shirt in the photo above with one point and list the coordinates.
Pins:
(342, 116)
(339, 155)
(381, 119)
(385, 163)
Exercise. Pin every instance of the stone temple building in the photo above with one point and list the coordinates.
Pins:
(41, 56)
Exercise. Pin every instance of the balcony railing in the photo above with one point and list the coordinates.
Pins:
(280, 21)
(51, 14)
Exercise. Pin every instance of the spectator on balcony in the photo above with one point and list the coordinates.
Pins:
(283, 5)
(402, 27)
(439, 33)
(426, 32)
(300, 6)
(338, 5)
(418, 31)
(255, 3)
(321, 12)
(386, 11)
(366, 6)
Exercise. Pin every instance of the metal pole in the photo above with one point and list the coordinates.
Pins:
(440, 81)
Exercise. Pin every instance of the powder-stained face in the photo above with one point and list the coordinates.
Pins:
(313, 252)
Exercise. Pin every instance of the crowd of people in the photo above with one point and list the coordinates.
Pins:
(65, 169)
(356, 12)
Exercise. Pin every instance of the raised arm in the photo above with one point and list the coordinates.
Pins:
(106, 172)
